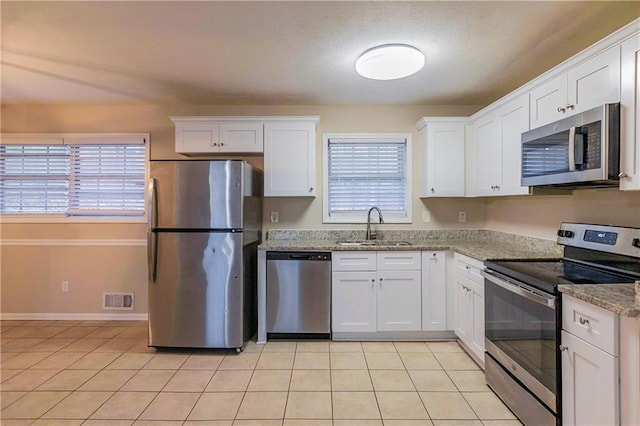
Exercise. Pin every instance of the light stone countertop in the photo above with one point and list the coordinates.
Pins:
(478, 244)
(617, 298)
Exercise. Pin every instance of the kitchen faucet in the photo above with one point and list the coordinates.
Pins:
(372, 235)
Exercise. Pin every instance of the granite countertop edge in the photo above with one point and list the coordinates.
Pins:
(479, 249)
(617, 298)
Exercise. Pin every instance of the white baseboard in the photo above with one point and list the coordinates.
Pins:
(6, 316)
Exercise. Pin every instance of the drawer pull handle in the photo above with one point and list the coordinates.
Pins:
(563, 348)
(584, 321)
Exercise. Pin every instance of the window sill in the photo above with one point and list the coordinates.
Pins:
(64, 219)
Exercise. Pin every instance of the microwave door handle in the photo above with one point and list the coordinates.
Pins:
(572, 149)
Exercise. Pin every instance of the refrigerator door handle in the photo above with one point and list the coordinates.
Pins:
(152, 255)
(152, 222)
(152, 202)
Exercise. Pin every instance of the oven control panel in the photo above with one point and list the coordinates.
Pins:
(610, 239)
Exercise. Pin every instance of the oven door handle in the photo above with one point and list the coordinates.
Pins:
(549, 301)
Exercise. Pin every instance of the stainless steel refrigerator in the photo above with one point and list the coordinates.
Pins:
(203, 233)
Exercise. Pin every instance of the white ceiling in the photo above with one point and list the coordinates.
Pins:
(295, 53)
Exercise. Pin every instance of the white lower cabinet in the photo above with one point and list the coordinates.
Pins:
(353, 301)
(470, 304)
(590, 367)
(434, 291)
(388, 291)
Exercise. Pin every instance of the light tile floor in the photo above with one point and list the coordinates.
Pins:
(103, 373)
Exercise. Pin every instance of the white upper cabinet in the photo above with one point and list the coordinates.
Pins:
(630, 111)
(442, 143)
(208, 135)
(588, 84)
(496, 150)
(513, 121)
(243, 136)
(290, 159)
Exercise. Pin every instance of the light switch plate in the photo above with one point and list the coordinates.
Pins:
(426, 216)
(274, 217)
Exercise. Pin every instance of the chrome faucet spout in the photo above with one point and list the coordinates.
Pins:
(372, 235)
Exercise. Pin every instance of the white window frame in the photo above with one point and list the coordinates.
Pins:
(362, 217)
(76, 139)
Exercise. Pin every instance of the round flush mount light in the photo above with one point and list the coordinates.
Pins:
(390, 62)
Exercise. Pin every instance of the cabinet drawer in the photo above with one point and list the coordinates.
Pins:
(399, 261)
(353, 261)
(591, 323)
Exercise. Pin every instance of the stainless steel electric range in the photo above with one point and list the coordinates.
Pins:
(523, 311)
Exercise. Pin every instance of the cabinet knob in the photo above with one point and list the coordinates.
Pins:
(311, 189)
(215, 144)
(497, 187)
(373, 280)
(563, 348)
(433, 190)
(569, 106)
(561, 109)
(584, 321)
(221, 144)
(622, 175)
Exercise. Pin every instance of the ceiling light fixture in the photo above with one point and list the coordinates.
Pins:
(390, 62)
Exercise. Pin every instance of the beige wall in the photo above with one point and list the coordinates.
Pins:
(31, 275)
(540, 216)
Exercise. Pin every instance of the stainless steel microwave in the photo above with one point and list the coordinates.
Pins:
(580, 150)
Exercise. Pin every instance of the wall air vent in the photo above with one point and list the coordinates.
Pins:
(120, 301)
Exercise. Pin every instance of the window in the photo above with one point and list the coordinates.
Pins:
(74, 175)
(362, 171)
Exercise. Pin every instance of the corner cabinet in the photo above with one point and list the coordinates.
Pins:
(496, 150)
(211, 135)
(588, 84)
(470, 305)
(630, 115)
(290, 158)
(442, 145)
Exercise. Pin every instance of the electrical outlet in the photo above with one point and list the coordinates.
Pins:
(274, 217)
(462, 216)
(426, 216)
(65, 286)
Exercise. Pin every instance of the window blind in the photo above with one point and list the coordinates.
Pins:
(107, 179)
(366, 173)
(79, 179)
(34, 178)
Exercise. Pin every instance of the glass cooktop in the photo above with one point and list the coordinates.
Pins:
(547, 274)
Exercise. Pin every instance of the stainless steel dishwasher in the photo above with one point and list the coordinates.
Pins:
(298, 292)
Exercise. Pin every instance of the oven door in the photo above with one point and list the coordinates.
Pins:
(521, 333)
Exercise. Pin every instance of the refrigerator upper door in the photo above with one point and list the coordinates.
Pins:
(196, 300)
(198, 194)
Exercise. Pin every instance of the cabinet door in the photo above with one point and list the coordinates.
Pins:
(464, 315)
(443, 157)
(434, 300)
(290, 159)
(241, 136)
(353, 302)
(194, 138)
(514, 120)
(399, 301)
(488, 155)
(547, 101)
(589, 384)
(594, 82)
(477, 300)
(629, 121)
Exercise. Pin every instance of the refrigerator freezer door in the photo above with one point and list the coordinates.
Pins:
(196, 300)
(198, 194)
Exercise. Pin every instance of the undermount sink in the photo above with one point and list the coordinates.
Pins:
(379, 243)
